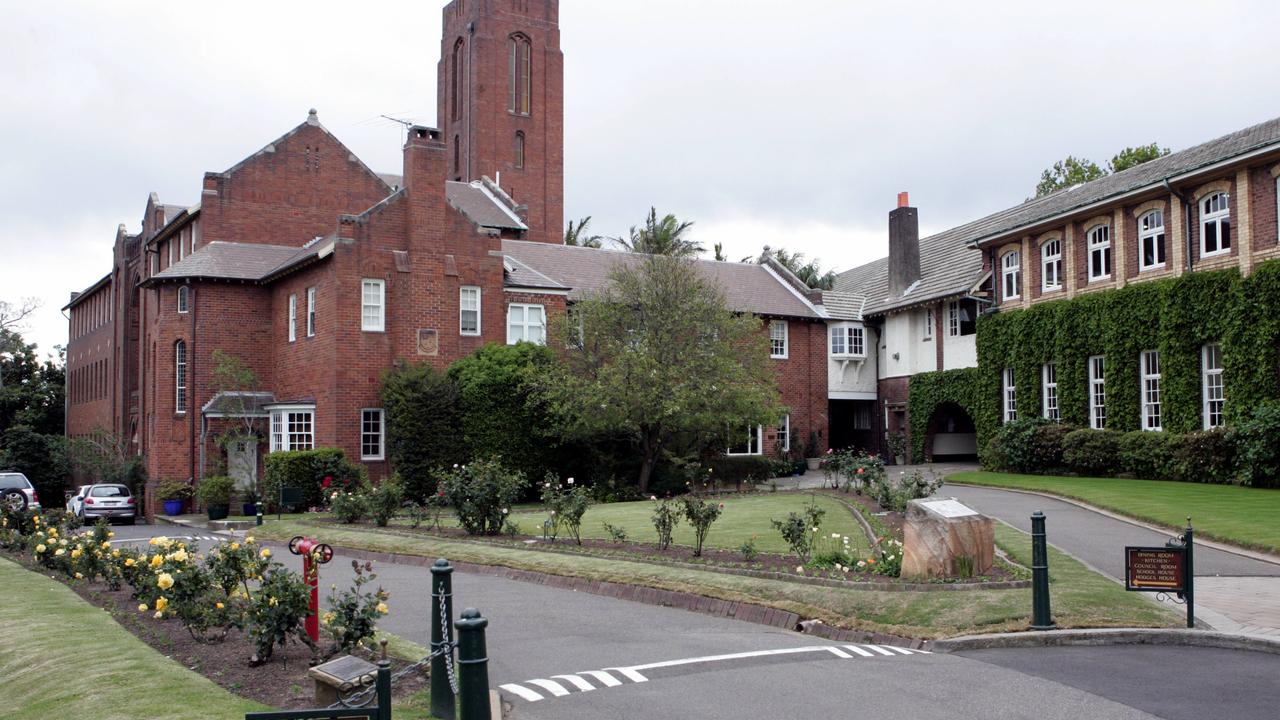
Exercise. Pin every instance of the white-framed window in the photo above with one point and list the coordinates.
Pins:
(372, 434)
(1214, 396)
(1010, 396)
(1149, 365)
(747, 441)
(526, 322)
(180, 377)
(293, 317)
(373, 305)
(1215, 224)
(847, 340)
(1049, 391)
(184, 298)
(928, 324)
(1011, 271)
(469, 310)
(784, 433)
(1098, 392)
(953, 318)
(778, 339)
(293, 427)
(1151, 240)
(1100, 252)
(311, 312)
(1051, 265)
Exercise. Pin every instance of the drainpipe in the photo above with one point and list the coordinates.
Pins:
(192, 385)
(1186, 218)
(471, 40)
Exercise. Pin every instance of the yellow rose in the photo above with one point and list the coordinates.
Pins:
(179, 556)
(164, 582)
(75, 553)
(40, 548)
(219, 605)
(111, 534)
(158, 615)
(272, 601)
(105, 544)
(60, 552)
(142, 607)
(130, 562)
(249, 540)
(154, 541)
(235, 546)
(162, 603)
(115, 553)
(79, 576)
(328, 618)
(266, 553)
(382, 608)
(157, 561)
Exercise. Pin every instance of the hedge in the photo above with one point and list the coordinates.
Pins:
(307, 469)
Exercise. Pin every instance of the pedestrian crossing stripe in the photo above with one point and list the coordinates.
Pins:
(205, 538)
(588, 680)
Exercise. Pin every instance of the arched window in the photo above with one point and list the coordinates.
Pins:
(1151, 240)
(180, 377)
(519, 149)
(520, 75)
(1100, 252)
(455, 84)
(184, 295)
(1051, 265)
(1011, 271)
(1215, 224)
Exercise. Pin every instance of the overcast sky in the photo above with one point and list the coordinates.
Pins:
(792, 124)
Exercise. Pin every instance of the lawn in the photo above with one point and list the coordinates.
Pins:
(1240, 515)
(61, 657)
(1081, 598)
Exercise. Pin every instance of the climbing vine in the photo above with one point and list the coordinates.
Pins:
(927, 391)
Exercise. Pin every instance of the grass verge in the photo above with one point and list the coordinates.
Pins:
(1081, 597)
(61, 657)
(1229, 513)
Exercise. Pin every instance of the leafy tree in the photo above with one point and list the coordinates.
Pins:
(41, 457)
(233, 377)
(423, 422)
(104, 457)
(1130, 157)
(576, 234)
(666, 236)
(810, 273)
(500, 416)
(1066, 173)
(32, 407)
(719, 250)
(658, 356)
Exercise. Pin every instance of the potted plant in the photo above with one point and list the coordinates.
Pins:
(173, 493)
(813, 458)
(215, 495)
(897, 444)
(249, 502)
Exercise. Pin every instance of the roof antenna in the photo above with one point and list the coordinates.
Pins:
(406, 123)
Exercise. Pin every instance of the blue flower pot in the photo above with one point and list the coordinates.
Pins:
(172, 507)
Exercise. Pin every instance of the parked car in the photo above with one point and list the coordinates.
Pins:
(17, 492)
(110, 501)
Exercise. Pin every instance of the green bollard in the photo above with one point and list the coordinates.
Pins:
(1189, 567)
(442, 699)
(384, 685)
(1041, 619)
(473, 666)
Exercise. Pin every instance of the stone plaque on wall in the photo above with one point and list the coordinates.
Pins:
(428, 342)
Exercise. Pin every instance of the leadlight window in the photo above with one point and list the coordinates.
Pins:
(1214, 396)
(1149, 364)
(1049, 391)
(1100, 252)
(1010, 396)
(180, 377)
(1051, 265)
(1151, 240)
(1215, 224)
(1097, 392)
(1011, 271)
(520, 75)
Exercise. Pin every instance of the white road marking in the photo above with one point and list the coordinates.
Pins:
(551, 685)
(522, 691)
(604, 677)
(630, 674)
(880, 650)
(899, 650)
(859, 650)
(730, 656)
(839, 653)
(576, 681)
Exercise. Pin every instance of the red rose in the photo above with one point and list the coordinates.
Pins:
(327, 482)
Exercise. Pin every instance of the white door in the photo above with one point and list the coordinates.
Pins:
(242, 463)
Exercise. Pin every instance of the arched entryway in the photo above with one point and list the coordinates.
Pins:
(952, 435)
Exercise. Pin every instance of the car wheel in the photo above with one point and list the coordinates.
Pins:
(83, 520)
(14, 499)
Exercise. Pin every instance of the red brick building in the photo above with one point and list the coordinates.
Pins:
(319, 273)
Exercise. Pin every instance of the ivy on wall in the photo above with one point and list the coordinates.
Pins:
(1176, 316)
(927, 391)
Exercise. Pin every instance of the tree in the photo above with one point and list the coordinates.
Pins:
(423, 421)
(1130, 157)
(810, 273)
(667, 236)
(719, 250)
(655, 355)
(13, 317)
(575, 234)
(104, 457)
(1066, 173)
(238, 386)
(42, 458)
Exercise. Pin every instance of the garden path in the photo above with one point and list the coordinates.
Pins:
(816, 479)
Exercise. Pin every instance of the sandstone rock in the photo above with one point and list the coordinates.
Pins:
(937, 532)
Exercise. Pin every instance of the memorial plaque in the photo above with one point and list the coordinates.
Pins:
(949, 508)
(1155, 569)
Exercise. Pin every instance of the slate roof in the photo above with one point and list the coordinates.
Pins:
(748, 287)
(239, 261)
(476, 201)
(236, 403)
(1148, 174)
(843, 305)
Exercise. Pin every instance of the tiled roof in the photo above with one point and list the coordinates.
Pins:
(239, 261)
(236, 403)
(1148, 174)
(748, 287)
(481, 206)
(843, 305)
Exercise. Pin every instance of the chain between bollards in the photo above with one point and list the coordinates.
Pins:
(442, 695)
(473, 666)
(1041, 617)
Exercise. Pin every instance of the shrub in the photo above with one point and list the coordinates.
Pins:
(215, 490)
(894, 493)
(616, 534)
(611, 490)
(173, 490)
(349, 507)
(384, 501)
(852, 470)
(481, 493)
(1207, 456)
(1149, 455)
(1092, 452)
(700, 514)
(748, 549)
(665, 518)
(276, 612)
(353, 613)
(233, 564)
(565, 505)
(1013, 446)
(423, 421)
(316, 472)
(740, 469)
(1047, 447)
(1257, 452)
(795, 531)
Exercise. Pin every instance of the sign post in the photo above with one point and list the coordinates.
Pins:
(1168, 570)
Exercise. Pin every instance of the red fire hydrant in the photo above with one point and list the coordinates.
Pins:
(313, 555)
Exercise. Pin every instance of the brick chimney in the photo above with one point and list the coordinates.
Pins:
(425, 168)
(904, 247)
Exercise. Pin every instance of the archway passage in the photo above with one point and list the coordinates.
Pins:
(952, 435)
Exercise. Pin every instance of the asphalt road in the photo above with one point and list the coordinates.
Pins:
(643, 661)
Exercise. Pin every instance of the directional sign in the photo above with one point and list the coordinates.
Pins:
(1155, 569)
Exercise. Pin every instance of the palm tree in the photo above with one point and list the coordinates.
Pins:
(810, 273)
(661, 237)
(573, 235)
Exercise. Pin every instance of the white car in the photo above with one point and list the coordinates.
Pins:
(108, 501)
(17, 493)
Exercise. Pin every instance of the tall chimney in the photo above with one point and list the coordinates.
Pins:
(904, 247)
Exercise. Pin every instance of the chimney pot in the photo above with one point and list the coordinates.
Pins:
(902, 200)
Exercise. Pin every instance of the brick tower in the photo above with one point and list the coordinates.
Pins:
(501, 103)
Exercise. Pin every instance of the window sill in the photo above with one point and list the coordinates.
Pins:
(1215, 253)
(1053, 289)
(381, 331)
(779, 357)
(372, 459)
(846, 356)
(1150, 268)
(468, 334)
(1100, 278)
